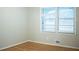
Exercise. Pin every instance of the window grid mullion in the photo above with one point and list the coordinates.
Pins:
(57, 21)
(43, 22)
(74, 20)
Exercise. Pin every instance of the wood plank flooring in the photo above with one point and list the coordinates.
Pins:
(32, 46)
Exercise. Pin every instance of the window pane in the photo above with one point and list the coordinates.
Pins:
(65, 28)
(49, 22)
(49, 12)
(49, 27)
(66, 22)
(49, 18)
(66, 12)
(49, 30)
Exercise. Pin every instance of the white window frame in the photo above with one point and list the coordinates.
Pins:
(57, 21)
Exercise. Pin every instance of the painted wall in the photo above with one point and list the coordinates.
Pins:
(22, 24)
(13, 25)
(36, 35)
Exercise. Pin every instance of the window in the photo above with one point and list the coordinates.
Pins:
(58, 19)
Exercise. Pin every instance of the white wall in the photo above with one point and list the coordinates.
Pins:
(22, 24)
(13, 25)
(36, 35)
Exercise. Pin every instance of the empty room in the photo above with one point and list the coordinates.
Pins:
(39, 28)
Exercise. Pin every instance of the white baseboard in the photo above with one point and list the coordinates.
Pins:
(13, 45)
(55, 44)
(38, 42)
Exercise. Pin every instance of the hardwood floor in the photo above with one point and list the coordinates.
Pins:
(32, 46)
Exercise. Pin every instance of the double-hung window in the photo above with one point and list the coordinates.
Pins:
(58, 19)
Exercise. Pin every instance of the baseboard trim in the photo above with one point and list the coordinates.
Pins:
(40, 43)
(54, 44)
(13, 45)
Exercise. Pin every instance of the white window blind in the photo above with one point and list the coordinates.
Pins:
(59, 19)
(48, 19)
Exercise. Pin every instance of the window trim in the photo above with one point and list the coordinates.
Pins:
(57, 21)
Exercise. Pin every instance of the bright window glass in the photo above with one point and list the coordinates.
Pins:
(60, 19)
